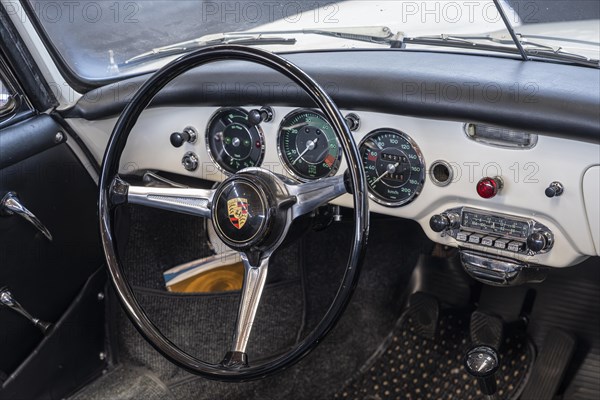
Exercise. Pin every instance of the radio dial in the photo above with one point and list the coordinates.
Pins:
(539, 241)
(441, 222)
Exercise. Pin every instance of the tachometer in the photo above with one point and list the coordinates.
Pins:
(394, 167)
(308, 146)
(233, 142)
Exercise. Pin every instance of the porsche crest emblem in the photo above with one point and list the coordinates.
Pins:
(238, 211)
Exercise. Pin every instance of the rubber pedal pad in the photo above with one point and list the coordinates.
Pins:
(486, 329)
(550, 366)
(424, 310)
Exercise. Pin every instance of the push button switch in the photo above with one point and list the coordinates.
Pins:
(475, 238)
(488, 241)
(516, 246)
(501, 243)
(462, 236)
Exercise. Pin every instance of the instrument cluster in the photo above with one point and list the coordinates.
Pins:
(309, 150)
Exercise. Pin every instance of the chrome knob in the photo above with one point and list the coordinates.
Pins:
(555, 189)
(482, 363)
(190, 161)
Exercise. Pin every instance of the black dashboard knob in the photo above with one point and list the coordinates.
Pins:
(256, 117)
(537, 241)
(439, 223)
(187, 135)
(179, 138)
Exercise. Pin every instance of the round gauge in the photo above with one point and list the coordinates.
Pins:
(232, 142)
(394, 167)
(307, 145)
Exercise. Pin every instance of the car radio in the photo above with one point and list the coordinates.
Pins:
(488, 230)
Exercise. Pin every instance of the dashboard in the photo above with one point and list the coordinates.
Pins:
(464, 192)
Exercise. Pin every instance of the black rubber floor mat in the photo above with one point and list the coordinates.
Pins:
(413, 367)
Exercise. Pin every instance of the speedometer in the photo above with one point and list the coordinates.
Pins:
(394, 167)
(233, 142)
(308, 146)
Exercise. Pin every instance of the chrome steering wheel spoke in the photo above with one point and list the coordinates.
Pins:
(181, 200)
(255, 275)
(311, 195)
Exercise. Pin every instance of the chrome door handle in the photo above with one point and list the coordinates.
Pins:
(11, 205)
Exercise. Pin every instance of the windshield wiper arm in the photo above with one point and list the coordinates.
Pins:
(209, 40)
(371, 34)
(511, 31)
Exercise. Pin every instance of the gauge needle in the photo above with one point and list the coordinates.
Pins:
(390, 169)
(300, 125)
(310, 145)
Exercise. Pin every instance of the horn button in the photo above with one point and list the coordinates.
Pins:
(241, 213)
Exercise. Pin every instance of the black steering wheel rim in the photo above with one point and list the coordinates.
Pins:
(110, 169)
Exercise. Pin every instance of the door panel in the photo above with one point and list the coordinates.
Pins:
(43, 276)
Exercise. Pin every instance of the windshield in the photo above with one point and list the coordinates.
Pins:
(98, 39)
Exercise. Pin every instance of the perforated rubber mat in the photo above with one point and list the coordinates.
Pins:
(413, 367)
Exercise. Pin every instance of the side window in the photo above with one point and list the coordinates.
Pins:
(7, 100)
(14, 106)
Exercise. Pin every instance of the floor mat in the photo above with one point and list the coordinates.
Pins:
(126, 383)
(413, 367)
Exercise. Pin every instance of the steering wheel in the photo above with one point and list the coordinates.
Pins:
(268, 203)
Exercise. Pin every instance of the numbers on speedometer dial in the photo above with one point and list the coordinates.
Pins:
(308, 146)
(394, 167)
(233, 142)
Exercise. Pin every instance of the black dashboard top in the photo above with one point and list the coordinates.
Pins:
(547, 98)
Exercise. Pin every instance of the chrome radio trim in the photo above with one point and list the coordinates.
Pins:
(456, 214)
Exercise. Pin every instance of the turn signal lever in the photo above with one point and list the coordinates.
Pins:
(7, 300)
(482, 363)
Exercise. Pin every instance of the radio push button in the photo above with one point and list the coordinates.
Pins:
(462, 236)
(488, 241)
(501, 243)
(475, 238)
(516, 246)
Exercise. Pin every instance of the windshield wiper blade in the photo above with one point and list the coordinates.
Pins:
(503, 45)
(209, 40)
(464, 42)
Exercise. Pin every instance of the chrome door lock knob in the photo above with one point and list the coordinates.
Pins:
(482, 363)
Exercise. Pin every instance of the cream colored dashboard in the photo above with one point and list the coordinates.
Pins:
(571, 217)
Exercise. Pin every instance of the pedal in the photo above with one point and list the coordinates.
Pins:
(424, 310)
(550, 367)
(486, 329)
